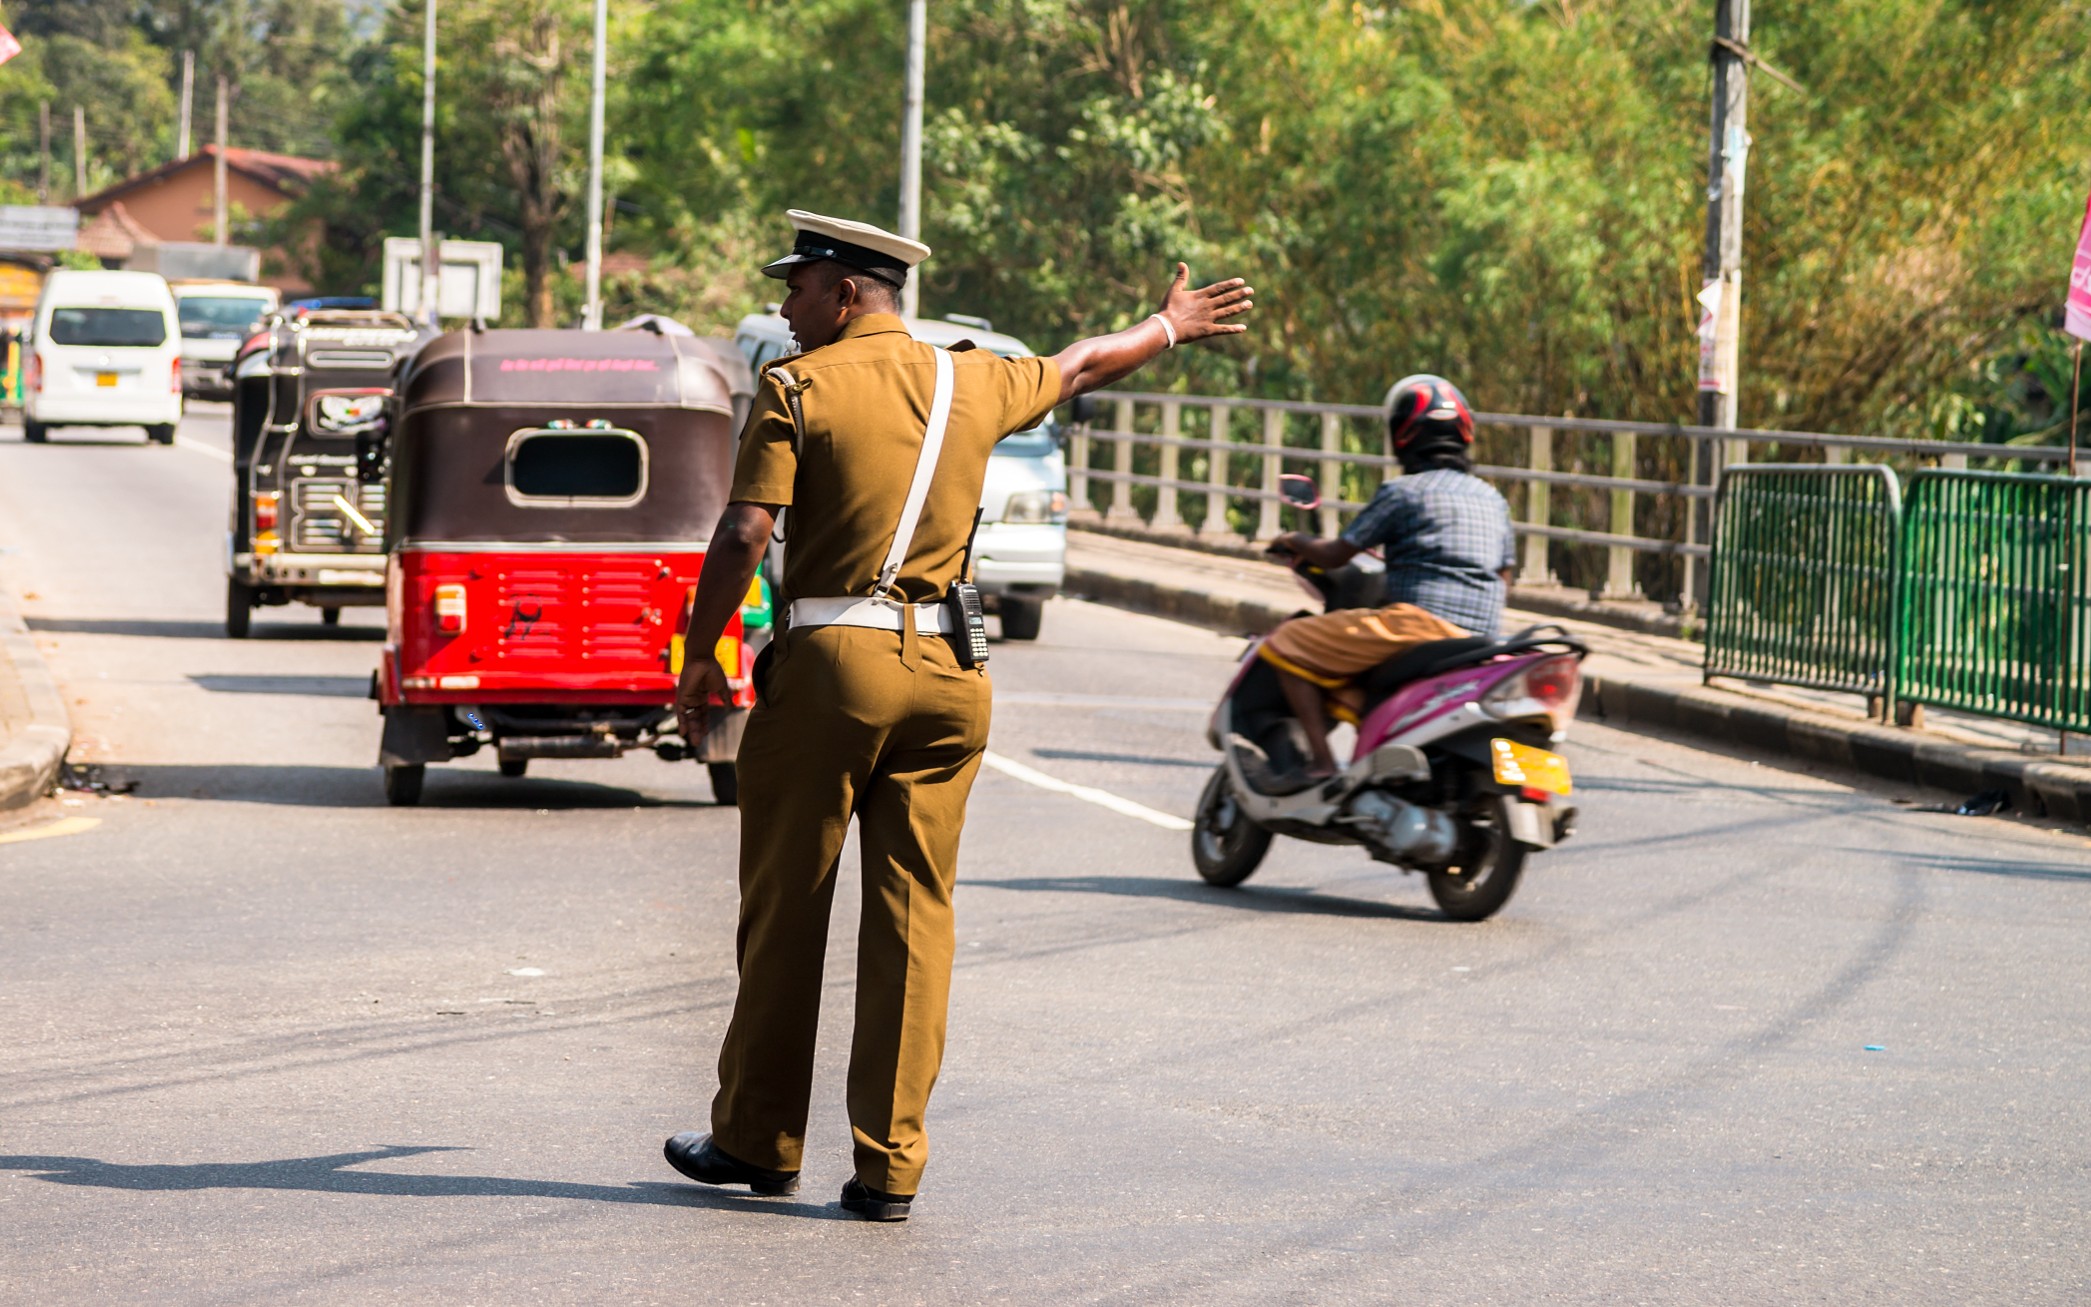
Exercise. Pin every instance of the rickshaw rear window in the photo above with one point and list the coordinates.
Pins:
(108, 328)
(577, 467)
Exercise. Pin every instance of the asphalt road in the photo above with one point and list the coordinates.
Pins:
(1755, 1036)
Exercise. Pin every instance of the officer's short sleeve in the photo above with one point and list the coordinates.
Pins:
(768, 461)
(1027, 388)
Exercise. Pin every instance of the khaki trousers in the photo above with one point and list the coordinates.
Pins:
(887, 727)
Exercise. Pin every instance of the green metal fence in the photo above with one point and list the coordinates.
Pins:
(1803, 584)
(1995, 615)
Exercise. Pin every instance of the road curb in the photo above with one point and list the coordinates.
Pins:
(30, 754)
(2041, 786)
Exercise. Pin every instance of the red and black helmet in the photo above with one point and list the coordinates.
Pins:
(1427, 411)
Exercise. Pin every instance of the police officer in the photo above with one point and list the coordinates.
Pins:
(866, 705)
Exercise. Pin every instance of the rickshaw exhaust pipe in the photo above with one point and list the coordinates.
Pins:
(517, 747)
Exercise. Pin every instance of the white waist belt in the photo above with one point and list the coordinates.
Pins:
(877, 614)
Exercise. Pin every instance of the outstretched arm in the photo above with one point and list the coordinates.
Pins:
(1098, 361)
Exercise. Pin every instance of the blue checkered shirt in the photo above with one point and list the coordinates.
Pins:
(1446, 535)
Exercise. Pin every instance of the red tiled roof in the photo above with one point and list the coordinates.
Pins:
(287, 173)
(113, 234)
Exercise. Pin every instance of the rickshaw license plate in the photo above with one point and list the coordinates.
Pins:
(1529, 768)
(105, 378)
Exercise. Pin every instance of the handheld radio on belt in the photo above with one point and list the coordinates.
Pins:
(968, 619)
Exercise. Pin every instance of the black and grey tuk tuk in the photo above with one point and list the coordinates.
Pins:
(304, 528)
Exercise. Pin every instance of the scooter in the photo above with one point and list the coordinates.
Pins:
(1454, 772)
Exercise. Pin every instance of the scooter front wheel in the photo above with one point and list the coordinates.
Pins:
(1488, 870)
(1226, 846)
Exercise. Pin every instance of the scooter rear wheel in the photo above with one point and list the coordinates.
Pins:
(1226, 846)
(1490, 864)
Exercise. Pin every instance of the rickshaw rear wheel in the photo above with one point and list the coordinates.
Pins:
(330, 617)
(160, 433)
(239, 609)
(726, 783)
(514, 767)
(403, 783)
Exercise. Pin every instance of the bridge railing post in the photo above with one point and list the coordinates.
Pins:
(1619, 559)
(1165, 515)
(1122, 512)
(1539, 504)
(1267, 525)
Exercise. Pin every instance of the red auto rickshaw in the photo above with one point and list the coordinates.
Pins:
(551, 497)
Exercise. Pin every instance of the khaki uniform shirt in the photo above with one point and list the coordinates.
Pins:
(866, 401)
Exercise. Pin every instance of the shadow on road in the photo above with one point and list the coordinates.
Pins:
(2018, 869)
(311, 786)
(329, 1175)
(328, 687)
(174, 629)
(1261, 899)
(1137, 759)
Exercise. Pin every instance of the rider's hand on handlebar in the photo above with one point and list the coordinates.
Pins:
(1285, 548)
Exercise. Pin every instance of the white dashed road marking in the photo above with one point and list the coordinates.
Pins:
(1088, 794)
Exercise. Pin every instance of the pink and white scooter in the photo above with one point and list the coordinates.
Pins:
(1454, 773)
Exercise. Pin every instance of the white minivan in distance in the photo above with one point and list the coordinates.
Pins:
(1020, 553)
(104, 351)
(215, 317)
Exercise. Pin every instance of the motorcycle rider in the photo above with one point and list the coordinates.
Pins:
(1446, 537)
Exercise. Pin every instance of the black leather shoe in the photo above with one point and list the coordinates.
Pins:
(695, 1155)
(874, 1204)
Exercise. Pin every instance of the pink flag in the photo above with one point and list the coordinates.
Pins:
(2077, 322)
(9, 47)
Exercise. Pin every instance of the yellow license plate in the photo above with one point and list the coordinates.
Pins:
(1529, 768)
(105, 378)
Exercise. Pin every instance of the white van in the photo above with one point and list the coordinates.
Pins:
(104, 351)
(215, 317)
(1020, 553)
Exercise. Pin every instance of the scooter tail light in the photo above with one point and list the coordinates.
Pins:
(1554, 683)
(1550, 687)
(266, 505)
(450, 609)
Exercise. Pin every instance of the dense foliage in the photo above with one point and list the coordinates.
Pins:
(1507, 191)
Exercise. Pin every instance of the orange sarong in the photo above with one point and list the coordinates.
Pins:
(1332, 648)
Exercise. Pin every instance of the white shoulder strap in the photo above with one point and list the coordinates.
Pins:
(925, 465)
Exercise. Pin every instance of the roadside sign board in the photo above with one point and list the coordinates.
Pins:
(38, 227)
(468, 278)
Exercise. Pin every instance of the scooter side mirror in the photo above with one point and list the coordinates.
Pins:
(1299, 491)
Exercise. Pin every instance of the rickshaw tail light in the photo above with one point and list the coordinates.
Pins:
(265, 506)
(450, 609)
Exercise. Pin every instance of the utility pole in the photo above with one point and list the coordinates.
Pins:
(911, 147)
(592, 305)
(1720, 297)
(431, 266)
(79, 152)
(43, 167)
(181, 149)
(220, 208)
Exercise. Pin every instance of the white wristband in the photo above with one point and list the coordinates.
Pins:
(1167, 330)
